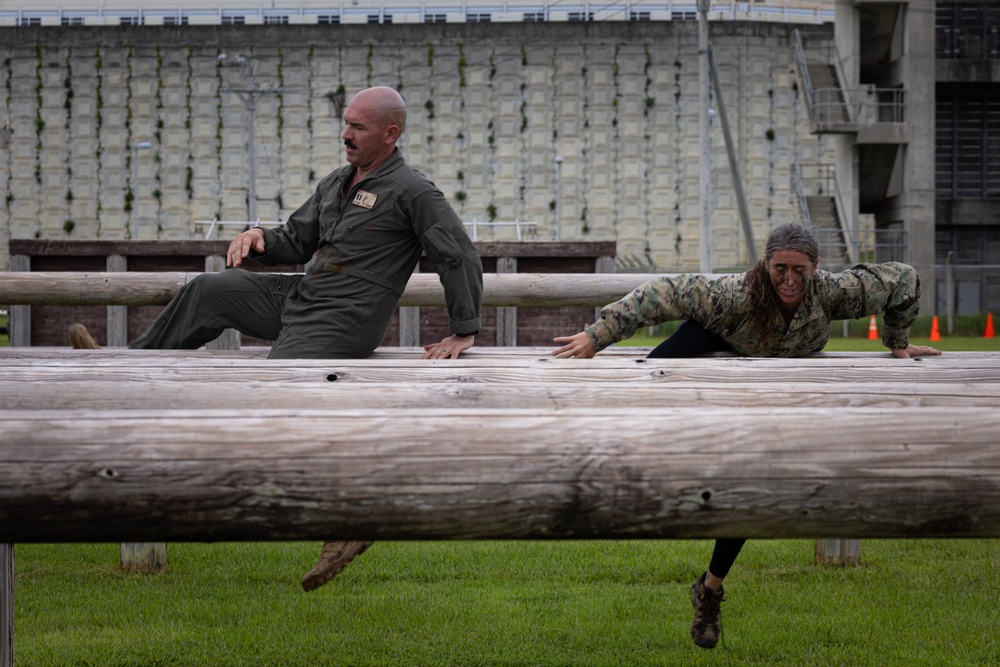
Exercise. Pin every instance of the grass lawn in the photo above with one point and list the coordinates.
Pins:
(930, 602)
(911, 603)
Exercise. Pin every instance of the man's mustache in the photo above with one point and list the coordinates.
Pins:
(350, 144)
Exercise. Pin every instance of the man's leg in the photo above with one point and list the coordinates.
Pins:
(213, 302)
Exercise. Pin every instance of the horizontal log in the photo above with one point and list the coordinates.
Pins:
(131, 394)
(67, 288)
(135, 365)
(252, 474)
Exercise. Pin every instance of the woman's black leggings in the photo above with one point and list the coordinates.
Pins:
(690, 340)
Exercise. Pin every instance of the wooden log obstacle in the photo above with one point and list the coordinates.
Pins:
(118, 445)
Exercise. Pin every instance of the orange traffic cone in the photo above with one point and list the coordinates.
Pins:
(935, 332)
(872, 329)
(989, 326)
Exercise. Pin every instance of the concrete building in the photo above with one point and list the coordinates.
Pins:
(911, 95)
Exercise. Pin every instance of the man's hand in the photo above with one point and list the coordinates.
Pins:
(577, 346)
(251, 239)
(915, 351)
(449, 348)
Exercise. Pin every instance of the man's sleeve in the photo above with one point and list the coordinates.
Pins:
(296, 240)
(454, 257)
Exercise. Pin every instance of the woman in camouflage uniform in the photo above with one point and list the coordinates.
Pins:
(782, 307)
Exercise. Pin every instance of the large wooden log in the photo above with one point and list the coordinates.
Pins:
(121, 393)
(424, 289)
(257, 474)
(141, 366)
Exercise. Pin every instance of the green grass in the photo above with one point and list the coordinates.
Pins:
(911, 603)
(947, 343)
(509, 603)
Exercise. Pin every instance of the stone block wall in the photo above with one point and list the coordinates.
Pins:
(490, 108)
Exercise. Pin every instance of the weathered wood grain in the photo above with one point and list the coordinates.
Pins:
(157, 288)
(140, 366)
(127, 393)
(152, 475)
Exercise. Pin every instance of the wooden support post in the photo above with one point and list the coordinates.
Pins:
(117, 315)
(230, 338)
(603, 265)
(6, 605)
(506, 315)
(409, 324)
(838, 552)
(19, 317)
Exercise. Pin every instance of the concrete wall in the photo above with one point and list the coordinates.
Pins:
(490, 105)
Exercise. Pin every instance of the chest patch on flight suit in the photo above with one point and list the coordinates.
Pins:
(365, 199)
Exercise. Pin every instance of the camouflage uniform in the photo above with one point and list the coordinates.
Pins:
(722, 306)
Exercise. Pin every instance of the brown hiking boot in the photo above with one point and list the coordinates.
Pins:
(80, 338)
(334, 558)
(707, 626)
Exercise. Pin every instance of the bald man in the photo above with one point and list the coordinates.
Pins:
(362, 233)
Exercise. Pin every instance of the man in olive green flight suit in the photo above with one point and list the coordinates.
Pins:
(362, 232)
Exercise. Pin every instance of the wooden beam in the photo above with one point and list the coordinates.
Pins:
(259, 474)
(124, 392)
(157, 288)
(135, 366)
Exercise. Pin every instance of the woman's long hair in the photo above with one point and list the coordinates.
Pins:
(763, 304)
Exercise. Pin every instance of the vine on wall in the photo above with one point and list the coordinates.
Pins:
(129, 193)
(158, 137)
(679, 171)
(585, 150)
(189, 128)
(310, 129)
(522, 172)
(491, 140)
(649, 102)
(461, 195)
(39, 128)
(429, 104)
(98, 134)
(219, 127)
(68, 224)
(280, 198)
(616, 141)
(9, 87)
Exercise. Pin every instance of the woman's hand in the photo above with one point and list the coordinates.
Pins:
(577, 346)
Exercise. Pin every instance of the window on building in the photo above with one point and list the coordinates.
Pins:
(639, 16)
(130, 20)
(30, 20)
(966, 30)
(328, 19)
(234, 20)
(435, 18)
(967, 144)
(683, 16)
(580, 16)
(276, 20)
(175, 20)
(534, 17)
(478, 17)
(71, 20)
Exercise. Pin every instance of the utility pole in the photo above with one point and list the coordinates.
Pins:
(249, 95)
(704, 140)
